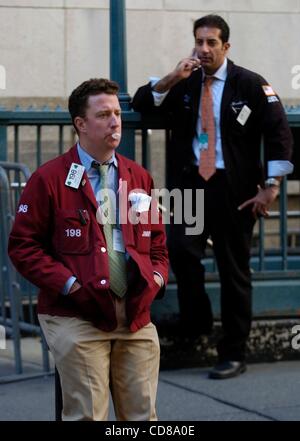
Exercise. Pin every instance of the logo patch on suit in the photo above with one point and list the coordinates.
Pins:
(146, 234)
(23, 208)
(268, 90)
(238, 105)
(273, 99)
(187, 101)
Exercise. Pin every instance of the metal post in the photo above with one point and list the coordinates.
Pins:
(8, 285)
(118, 68)
(261, 266)
(58, 397)
(118, 55)
(283, 224)
(3, 143)
(38, 145)
(146, 157)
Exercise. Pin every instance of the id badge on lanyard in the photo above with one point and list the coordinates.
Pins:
(203, 141)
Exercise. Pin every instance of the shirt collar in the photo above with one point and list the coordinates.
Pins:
(86, 159)
(221, 73)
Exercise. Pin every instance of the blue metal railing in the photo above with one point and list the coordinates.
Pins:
(134, 127)
(135, 131)
(13, 297)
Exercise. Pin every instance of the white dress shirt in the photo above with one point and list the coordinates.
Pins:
(275, 168)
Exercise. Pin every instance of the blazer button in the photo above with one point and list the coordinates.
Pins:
(103, 249)
(103, 282)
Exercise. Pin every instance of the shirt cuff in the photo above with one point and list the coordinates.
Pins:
(68, 285)
(161, 277)
(157, 97)
(279, 168)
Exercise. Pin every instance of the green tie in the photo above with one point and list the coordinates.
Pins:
(117, 260)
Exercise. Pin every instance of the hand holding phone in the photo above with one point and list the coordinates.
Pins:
(185, 67)
(195, 56)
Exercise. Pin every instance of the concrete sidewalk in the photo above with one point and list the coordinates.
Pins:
(265, 392)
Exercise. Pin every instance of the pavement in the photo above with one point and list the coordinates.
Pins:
(266, 392)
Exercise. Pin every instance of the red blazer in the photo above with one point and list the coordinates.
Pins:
(44, 252)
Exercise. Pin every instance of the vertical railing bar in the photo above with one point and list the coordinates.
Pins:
(3, 142)
(38, 145)
(61, 139)
(261, 227)
(30, 303)
(16, 143)
(146, 160)
(283, 224)
(45, 353)
(17, 191)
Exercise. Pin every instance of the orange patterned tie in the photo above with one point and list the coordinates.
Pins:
(207, 166)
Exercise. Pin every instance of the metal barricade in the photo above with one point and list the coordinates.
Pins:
(8, 314)
(17, 296)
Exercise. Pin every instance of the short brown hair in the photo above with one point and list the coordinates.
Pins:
(79, 97)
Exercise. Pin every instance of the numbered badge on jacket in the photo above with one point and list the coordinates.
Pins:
(72, 231)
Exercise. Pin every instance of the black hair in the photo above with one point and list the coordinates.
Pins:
(213, 21)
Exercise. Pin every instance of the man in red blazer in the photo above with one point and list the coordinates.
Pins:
(97, 276)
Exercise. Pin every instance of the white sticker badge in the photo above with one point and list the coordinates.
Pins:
(244, 115)
(118, 243)
(75, 175)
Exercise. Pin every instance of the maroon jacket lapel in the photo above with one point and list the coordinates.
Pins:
(85, 186)
(125, 186)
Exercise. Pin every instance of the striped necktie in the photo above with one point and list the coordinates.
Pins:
(207, 165)
(117, 259)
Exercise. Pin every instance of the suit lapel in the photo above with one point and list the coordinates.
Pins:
(195, 86)
(125, 187)
(88, 191)
(228, 93)
(85, 186)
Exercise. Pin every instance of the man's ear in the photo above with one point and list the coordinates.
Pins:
(80, 124)
(226, 46)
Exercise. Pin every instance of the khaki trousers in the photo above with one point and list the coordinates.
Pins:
(91, 362)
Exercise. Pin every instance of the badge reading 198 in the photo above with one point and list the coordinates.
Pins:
(75, 175)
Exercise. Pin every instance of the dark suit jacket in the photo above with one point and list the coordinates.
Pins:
(241, 145)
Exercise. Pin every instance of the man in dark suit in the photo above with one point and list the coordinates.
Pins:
(219, 113)
(77, 237)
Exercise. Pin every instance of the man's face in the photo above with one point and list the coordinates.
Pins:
(102, 122)
(210, 48)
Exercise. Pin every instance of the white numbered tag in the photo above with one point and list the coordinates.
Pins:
(118, 243)
(75, 175)
(244, 115)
